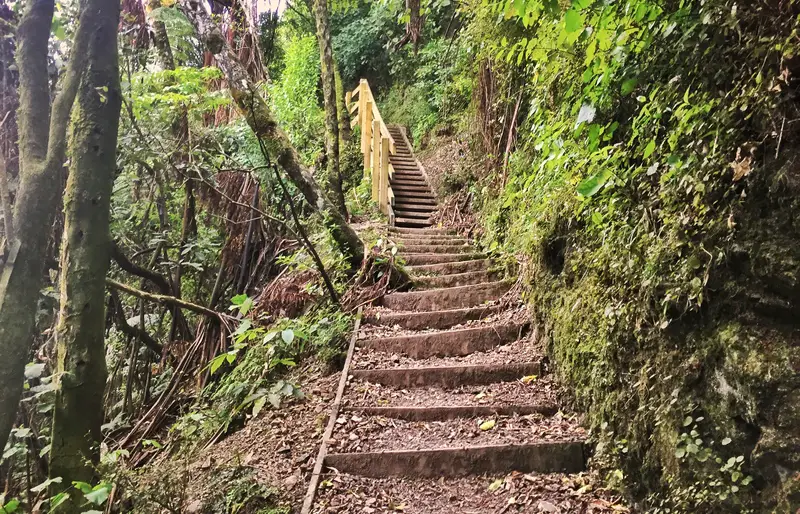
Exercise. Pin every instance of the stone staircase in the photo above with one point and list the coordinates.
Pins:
(413, 200)
(445, 387)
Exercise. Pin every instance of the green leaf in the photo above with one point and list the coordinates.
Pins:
(590, 186)
(287, 336)
(726, 441)
(629, 85)
(258, 405)
(44, 485)
(573, 21)
(10, 507)
(217, 362)
(650, 148)
(687, 421)
(99, 495)
(680, 453)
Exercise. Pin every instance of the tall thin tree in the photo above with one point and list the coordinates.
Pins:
(85, 254)
(328, 73)
(42, 147)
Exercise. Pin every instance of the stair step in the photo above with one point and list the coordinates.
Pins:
(437, 249)
(408, 183)
(424, 231)
(447, 343)
(555, 457)
(455, 280)
(448, 298)
(414, 207)
(448, 376)
(439, 320)
(413, 259)
(441, 413)
(411, 190)
(429, 240)
(411, 223)
(450, 268)
(420, 214)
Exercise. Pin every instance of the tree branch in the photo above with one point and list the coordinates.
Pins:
(165, 300)
(157, 280)
(133, 331)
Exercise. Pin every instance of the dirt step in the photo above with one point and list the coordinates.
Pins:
(414, 207)
(411, 223)
(428, 240)
(447, 298)
(404, 196)
(439, 320)
(455, 280)
(414, 259)
(410, 189)
(447, 343)
(557, 457)
(437, 249)
(441, 413)
(448, 376)
(500, 394)
(357, 433)
(425, 231)
(449, 268)
(507, 352)
(416, 214)
(510, 494)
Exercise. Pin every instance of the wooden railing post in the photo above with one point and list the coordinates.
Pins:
(366, 134)
(362, 112)
(383, 194)
(376, 159)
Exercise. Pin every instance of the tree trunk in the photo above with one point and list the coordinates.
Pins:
(345, 132)
(256, 111)
(42, 134)
(161, 40)
(81, 368)
(328, 75)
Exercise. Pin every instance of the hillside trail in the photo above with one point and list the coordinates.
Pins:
(445, 405)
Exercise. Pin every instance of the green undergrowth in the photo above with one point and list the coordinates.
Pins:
(653, 193)
(257, 371)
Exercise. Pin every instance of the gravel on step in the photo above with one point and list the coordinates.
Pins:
(358, 433)
(531, 392)
(368, 331)
(522, 350)
(513, 493)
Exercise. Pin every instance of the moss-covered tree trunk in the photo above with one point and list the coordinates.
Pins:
(328, 75)
(42, 133)
(256, 111)
(345, 132)
(85, 253)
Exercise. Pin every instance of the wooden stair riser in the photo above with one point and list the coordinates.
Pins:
(440, 249)
(439, 320)
(449, 268)
(448, 377)
(414, 259)
(444, 413)
(427, 240)
(449, 298)
(447, 343)
(456, 280)
(427, 231)
(566, 457)
(429, 209)
(411, 223)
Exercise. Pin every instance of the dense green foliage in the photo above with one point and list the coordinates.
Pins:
(651, 188)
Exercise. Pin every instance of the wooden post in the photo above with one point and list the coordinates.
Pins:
(376, 159)
(383, 194)
(348, 99)
(362, 111)
(366, 134)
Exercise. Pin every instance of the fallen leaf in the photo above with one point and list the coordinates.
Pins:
(488, 425)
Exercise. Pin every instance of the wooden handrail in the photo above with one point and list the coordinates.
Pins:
(377, 145)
